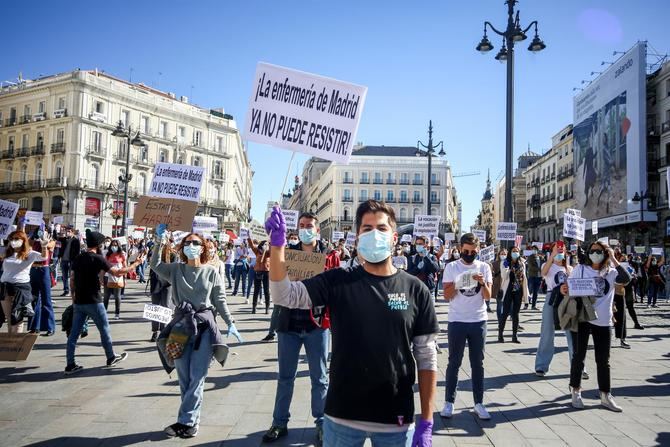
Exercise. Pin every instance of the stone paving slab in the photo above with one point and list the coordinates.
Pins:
(130, 404)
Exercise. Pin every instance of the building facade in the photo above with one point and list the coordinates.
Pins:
(58, 154)
(388, 173)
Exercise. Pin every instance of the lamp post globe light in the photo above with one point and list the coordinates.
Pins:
(512, 35)
(132, 139)
(430, 153)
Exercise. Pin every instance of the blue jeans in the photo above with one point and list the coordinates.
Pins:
(288, 352)
(652, 293)
(229, 267)
(545, 349)
(65, 274)
(534, 284)
(240, 275)
(191, 371)
(338, 435)
(250, 280)
(98, 314)
(475, 335)
(140, 271)
(40, 282)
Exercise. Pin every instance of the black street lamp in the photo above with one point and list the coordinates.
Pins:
(512, 34)
(132, 139)
(641, 198)
(430, 154)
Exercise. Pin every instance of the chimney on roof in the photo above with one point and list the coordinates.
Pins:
(184, 99)
(172, 95)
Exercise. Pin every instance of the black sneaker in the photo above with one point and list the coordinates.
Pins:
(189, 432)
(275, 432)
(117, 359)
(73, 369)
(269, 337)
(154, 336)
(174, 429)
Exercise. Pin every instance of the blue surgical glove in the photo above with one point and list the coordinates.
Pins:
(160, 230)
(232, 330)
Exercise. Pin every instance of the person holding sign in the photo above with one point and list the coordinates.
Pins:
(198, 291)
(17, 296)
(161, 289)
(423, 264)
(600, 258)
(514, 287)
(467, 288)
(384, 327)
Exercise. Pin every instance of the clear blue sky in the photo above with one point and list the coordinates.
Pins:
(416, 58)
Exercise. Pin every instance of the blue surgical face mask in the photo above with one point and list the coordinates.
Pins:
(375, 246)
(559, 257)
(515, 256)
(307, 235)
(421, 249)
(192, 251)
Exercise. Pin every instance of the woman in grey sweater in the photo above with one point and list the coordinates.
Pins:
(199, 284)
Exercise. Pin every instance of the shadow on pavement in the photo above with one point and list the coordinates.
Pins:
(120, 441)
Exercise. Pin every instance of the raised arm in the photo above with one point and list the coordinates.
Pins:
(161, 269)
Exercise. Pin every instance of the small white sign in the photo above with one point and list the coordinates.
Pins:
(406, 238)
(291, 219)
(449, 237)
(538, 245)
(614, 242)
(138, 234)
(657, 251)
(527, 252)
(244, 234)
(487, 254)
(8, 212)
(582, 287)
(640, 249)
(604, 240)
(506, 231)
(204, 224)
(34, 218)
(425, 225)
(573, 212)
(121, 240)
(57, 219)
(594, 227)
(177, 181)
(337, 235)
(351, 239)
(224, 237)
(573, 226)
(158, 313)
(481, 235)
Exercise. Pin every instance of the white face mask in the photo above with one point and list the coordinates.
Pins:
(114, 248)
(16, 244)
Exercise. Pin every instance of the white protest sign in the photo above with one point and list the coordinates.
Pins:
(34, 218)
(506, 231)
(178, 236)
(449, 237)
(138, 234)
(604, 240)
(437, 242)
(594, 227)
(573, 212)
(406, 238)
(573, 226)
(426, 225)
(177, 181)
(487, 254)
(8, 212)
(304, 112)
(538, 245)
(527, 252)
(657, 251)
(614, 242)
(121, 240)
(244, 234)
(291, 219)
(481, 235)
(639, 249)
(57, 219)
(202, 224)
(337, 235)
(158, 313)
(351, 239)
(582, 287)
(224, 237)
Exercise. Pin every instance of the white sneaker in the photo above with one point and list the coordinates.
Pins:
(577, 401)
(482, 413)
(448, 410)
(607, 401)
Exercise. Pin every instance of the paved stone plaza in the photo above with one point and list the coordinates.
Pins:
(131, 404)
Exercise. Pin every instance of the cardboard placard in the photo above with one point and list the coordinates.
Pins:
(16, 347)
(158, 313)
(302, 265)
(8, 212)
(304, 112)
(291, 219)
(175, 181)
(582, 287)
(203, 224)
(177, 214)
(506, 231)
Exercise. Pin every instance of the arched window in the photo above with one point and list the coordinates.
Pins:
(142, 183)
(403, 214)
(58, 170)
(23, 176)
(347, 214)
(416, 212)
(38, 172)
(57, 203)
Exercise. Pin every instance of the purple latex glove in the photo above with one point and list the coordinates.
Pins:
(423, 434)
(275, 227)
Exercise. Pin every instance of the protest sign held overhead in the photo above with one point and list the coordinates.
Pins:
(304, 112)
(487, 254)
(337, 235)
(573, 226)
(176, 214)
(594, 227)
(656, 251)
(406, 238)
(351, 239)
(303, 265)
(291, 219)
(203, 224)
(8, 212)
(449, 237)
(481, 235)
(34, 218)
(426, 225)
(506, 231)
(177, 181)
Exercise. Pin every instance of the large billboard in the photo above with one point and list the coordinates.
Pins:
(609, 138)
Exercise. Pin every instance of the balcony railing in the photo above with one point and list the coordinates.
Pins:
(415, 200)
(58, 148)
(653, 131)
(9, 153)
(349, 181)
(435, 201)
(142, 161)
(363, 199)
(377, 181)
(217, 175)
(435, 182)
(10, 122)
(365, 181)
(55, 182)
(390, 200)
(23, 152)
(96, 151)
(390, 181)
(403, 200)
(417, 182)
(37, 150)
(25, 119)
(404, 181)
(348, 199)
(553, 176)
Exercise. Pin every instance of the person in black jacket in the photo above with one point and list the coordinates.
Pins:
(424, 265)
(70, 247)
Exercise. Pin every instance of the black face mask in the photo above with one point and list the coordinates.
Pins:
(469, 258)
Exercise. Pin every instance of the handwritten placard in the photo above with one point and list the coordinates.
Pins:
(302, 265)
(177, 214)
(158, 313)
(582, 287)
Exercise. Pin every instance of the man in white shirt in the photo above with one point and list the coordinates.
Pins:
(467, 287)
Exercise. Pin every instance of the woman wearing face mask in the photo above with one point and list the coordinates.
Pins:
(399, 260)
(654, 279)
(600, 257)
(621, 292)
(455, 255)
(160, 289)
(262, 267)
(40, 283)
(114, 284)
(17, 298)
(514, 286)
(198, 290)
(554, 271)
(496, 268)
(229, 260)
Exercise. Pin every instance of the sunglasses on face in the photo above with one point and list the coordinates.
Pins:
(596, 252)
(468, 253)
(196, 243)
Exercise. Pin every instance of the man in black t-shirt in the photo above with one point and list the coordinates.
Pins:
(384, 327)
(87, 299)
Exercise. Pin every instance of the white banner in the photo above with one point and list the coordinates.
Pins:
(291, 219)
(202, 224)
(337, 235)
(34, 218)
(57, 219)
(594, 227)
(487, 254)
(158, 313)
(177, 181)
(304, 112)
(574, 227)
(351, 239)
(426, 225)
(506, 231)
(8, 212)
